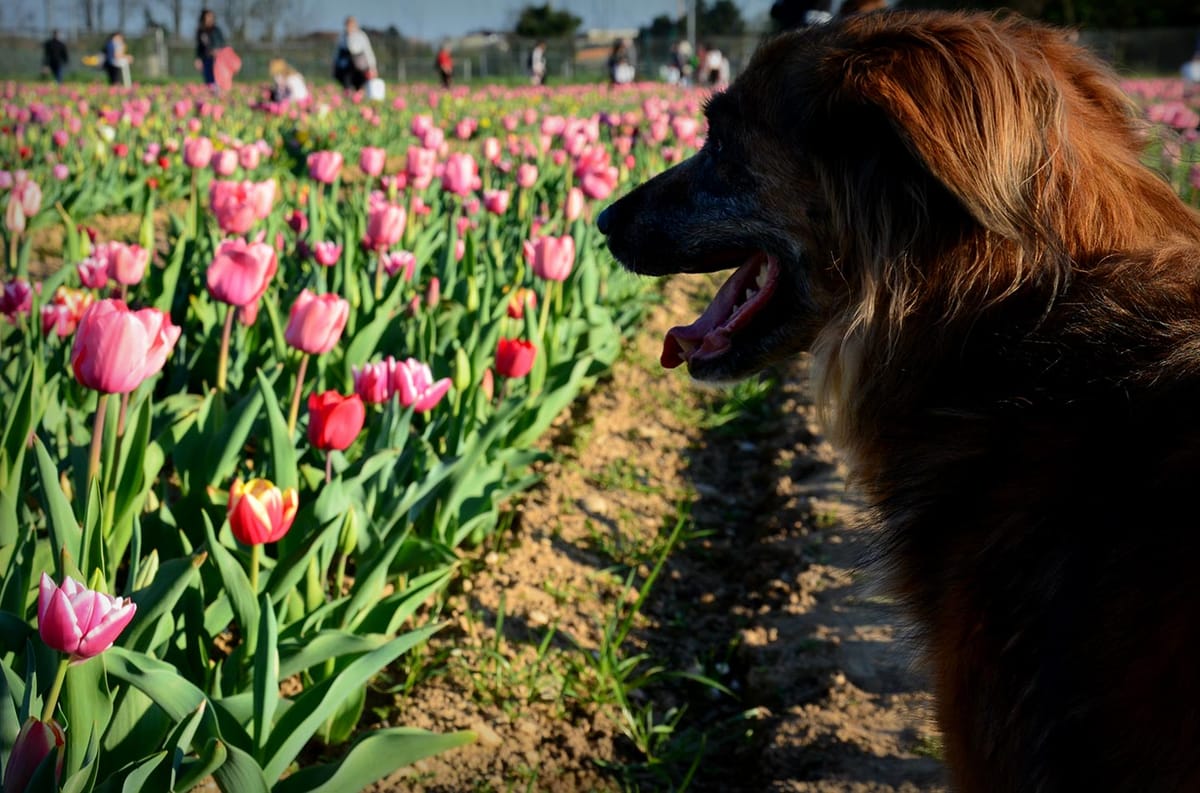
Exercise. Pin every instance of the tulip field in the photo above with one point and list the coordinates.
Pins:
(267, 371)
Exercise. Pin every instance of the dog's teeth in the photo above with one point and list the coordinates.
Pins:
(761, 281)
(750, 293)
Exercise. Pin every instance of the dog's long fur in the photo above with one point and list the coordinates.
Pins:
(1003, 306)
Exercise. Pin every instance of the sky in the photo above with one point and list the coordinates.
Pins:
(427, 19)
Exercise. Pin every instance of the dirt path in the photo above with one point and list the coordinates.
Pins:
(761, 593)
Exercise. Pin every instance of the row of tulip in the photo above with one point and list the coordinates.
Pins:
(178, 537)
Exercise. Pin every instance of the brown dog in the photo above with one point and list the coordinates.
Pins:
(1003, 307)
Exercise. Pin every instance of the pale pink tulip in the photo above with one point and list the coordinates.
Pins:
(551, 257)
(117, 349)
(414, 383)
(315, 322)
(371, 160)
(240, 272)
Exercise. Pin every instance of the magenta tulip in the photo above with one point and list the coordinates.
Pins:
(496, 201)
(16, 299)
(393, 263)
(78, 621)
(414, 382)
(117, 349)
(373, 381)
(315, 322)
(93, 273)
(34, 743)
(241, 271)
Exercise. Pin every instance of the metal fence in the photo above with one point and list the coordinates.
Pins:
(504, 59)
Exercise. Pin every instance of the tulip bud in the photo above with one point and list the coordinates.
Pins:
(34, 743)
(462, 369)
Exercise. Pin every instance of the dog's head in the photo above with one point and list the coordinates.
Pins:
(886, 167)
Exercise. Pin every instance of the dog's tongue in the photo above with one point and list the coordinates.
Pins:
(730, 309)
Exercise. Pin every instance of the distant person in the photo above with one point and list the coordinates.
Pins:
(287, 84)
(54, 57)
(714, 65)
(116, 60)
(679, 68)
(851, 7)
(209, 39)
(620, 70)
(793, 14)
(354, 59)
(537, 64)
(443, 63)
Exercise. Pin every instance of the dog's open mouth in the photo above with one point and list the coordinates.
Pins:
(738, 300)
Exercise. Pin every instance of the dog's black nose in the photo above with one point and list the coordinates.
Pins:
(604, 220)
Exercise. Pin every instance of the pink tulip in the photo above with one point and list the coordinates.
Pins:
(93, 273)
(433, 139)
(574, 207)
(393, 263)
(60, 172)
(527, 175)
(262, 198)
(234, 205)
(385, 223)
(326, 253)
(324, 166)
(496, 201)
(491, 150)
(224, 162)
(371, 160)
(421, 124)
(77, 621)
(248, 157)
(126, 263)
(117, 349)
(14, 216)
(27, 192)
(551, 257)
(461, 175)
(61, 138)
(315, 322)
(420, 166)
(373, 381)
(298, 221)
(414, 382)
(240, 272)
(433, 293)
(460, 249)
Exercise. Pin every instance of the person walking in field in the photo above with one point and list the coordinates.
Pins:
(537, 64)
(116, 60)
(209, 39)
(444, 64)
(54, 57)
(354, 59)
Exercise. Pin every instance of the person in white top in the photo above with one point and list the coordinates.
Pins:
(287, 84)
(353, 60)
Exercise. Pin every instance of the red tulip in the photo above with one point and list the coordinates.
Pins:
(241, 271)
(521, 297)
(514, 357)
(334, 421)
(65, 309)
(117, 349)
(259, 512)
(315, 322)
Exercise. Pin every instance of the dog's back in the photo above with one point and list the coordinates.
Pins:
(1004, 307)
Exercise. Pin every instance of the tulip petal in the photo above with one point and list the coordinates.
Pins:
(59, 629)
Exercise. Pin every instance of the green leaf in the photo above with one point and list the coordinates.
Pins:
(88, 708)
(189, 773)
(283, 454)
(233, 432)
(156, 679)
(139, 776)
(65, 534)
(160, 598)
(240, 773)
(372, 757)
(266, 673)
(309, 651)
(316, 704)
(236, 584)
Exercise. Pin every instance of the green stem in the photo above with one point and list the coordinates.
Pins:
(544, 316)
(55, 690)
(328, 466)
(255, 550)
(13, 241)
(378, 276)
(294, 410)
(223, 356)
(97, 441)
(121, 414)
(341, 575)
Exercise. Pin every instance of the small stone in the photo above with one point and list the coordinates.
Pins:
(491, 558)
(487, 736)
(594, 504)
(538, 618)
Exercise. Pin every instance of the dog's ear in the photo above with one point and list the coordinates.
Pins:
(972, 104)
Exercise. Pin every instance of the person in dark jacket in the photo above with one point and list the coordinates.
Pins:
(54, 56)
(209, 39)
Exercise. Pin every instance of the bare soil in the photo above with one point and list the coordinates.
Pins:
(766, 594)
